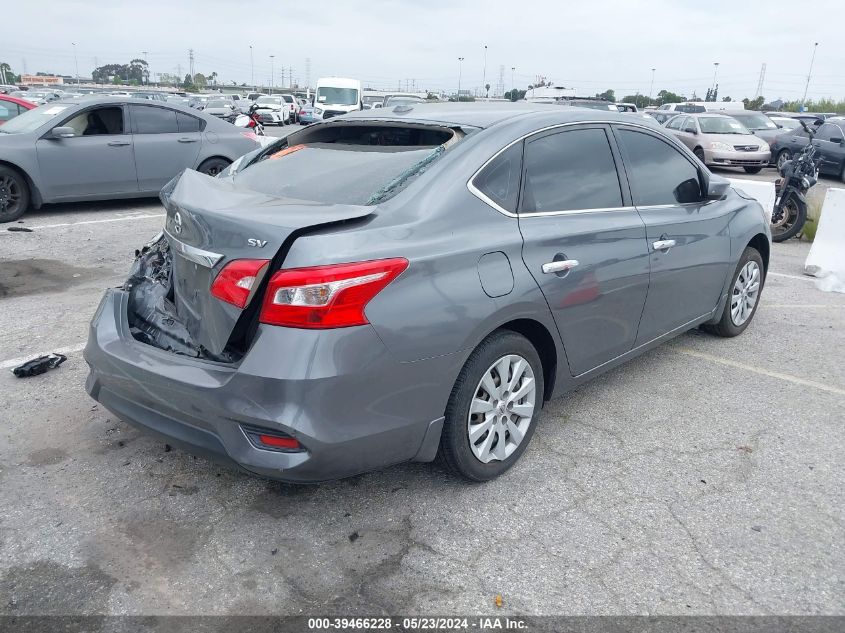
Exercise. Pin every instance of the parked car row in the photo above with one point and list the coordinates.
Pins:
(753, 140)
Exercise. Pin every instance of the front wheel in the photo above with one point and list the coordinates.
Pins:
(14, 194)
(492, 411)
(742, 303)
(789, 221)
(783, 156)
(752, 170)
(699, 153)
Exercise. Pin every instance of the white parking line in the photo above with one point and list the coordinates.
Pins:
(14, 362)
(759, 370)
(790, 276)
(120, 219)
(807, 306)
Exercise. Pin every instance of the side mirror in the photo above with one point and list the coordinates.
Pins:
(63, 132)
(836, 139)
(717, 187)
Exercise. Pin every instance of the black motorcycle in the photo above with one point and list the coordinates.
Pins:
(797, 177)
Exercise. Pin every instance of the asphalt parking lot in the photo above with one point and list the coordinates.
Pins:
(704, 477)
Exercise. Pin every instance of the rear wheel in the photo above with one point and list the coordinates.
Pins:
(491, 414)
(213, 166)
(699, 153)
(14, 194)
(752, 170)
(783, 156)
(745, 291)
(791, 219)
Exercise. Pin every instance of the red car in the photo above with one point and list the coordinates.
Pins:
(10, 107)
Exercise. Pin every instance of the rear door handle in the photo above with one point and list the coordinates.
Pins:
(118, 143)
(663, 245)
(560, 266)
(187, 140)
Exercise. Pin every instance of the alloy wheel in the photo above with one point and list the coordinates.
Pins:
(10, 195)
(745, 293)
(502, 409)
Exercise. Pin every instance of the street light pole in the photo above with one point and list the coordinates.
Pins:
(651, 88)
(484, 80)
(513, 68)
(76, 62)
(715, 70)
(272, 77)
(251, 68)
(460, 71)
(144, 53)
(809, 74)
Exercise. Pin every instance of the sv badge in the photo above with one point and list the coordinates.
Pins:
(257, 243)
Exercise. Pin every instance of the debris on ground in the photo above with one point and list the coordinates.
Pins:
(498, 600)
(39, 365)
(19, 229)
(354, 537)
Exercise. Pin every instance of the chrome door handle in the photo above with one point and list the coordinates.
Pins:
(560, 266)
(187, 140)
(118, 143)
(663, 245)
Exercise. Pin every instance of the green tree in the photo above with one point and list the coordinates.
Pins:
(665, 96)
(487, 89)
(753, 104)
(200, 81)
(188, 84)
(608, 95)
(7, 76)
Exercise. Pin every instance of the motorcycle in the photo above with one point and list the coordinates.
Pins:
(250, 121)
(798, 176)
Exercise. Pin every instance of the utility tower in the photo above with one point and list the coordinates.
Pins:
(307, 72)
(500, 86)
(759, 90)
(191, 62)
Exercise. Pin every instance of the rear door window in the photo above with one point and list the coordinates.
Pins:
(188, 123)
(153, 120)
(568, 171)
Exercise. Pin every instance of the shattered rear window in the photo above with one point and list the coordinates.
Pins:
(333, 173)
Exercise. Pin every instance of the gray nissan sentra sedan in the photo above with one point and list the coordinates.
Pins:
(402, 283)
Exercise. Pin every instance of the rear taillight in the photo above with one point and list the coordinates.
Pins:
(236, 282)
(271, 440)
(327, 296)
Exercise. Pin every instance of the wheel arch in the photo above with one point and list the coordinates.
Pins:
(760, 243)
(543, 341)
(35, 199)
(214, 157)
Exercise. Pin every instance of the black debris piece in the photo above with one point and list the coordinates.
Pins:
(354, 537)
(39, 365)
(167, 448)
(19, 229)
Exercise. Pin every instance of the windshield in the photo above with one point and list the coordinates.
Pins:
(337, 96)
(721, 125)
(270, 100)
(216, 104)
(338, 174)
(788, 124)
(755, 121)
(373, 99)
(33, 119)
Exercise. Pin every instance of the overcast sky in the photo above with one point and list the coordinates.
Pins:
(590, 46)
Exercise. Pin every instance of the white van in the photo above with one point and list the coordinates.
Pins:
(337, 95)
(695, 107)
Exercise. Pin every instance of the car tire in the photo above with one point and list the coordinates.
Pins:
(842, 175)
(783, 156)
(505, 419)
(14, 194)
(752, 170)
(213, 166)
(699, 154)
(728, 325)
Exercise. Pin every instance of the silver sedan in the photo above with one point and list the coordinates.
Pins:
(101, 148)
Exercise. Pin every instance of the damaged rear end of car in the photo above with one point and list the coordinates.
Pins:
(213, 344)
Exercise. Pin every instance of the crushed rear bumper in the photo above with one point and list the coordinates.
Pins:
(340, 393)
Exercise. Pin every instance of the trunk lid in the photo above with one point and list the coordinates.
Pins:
(211, 222)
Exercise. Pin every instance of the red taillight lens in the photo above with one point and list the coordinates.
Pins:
(327, 296)
(279, 442)
(234, 284)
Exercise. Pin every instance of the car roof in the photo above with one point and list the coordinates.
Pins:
(484, 114)
(87, 101)
(17, 100)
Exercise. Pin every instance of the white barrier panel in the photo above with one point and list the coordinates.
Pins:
(762, 192)
(826, 261)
